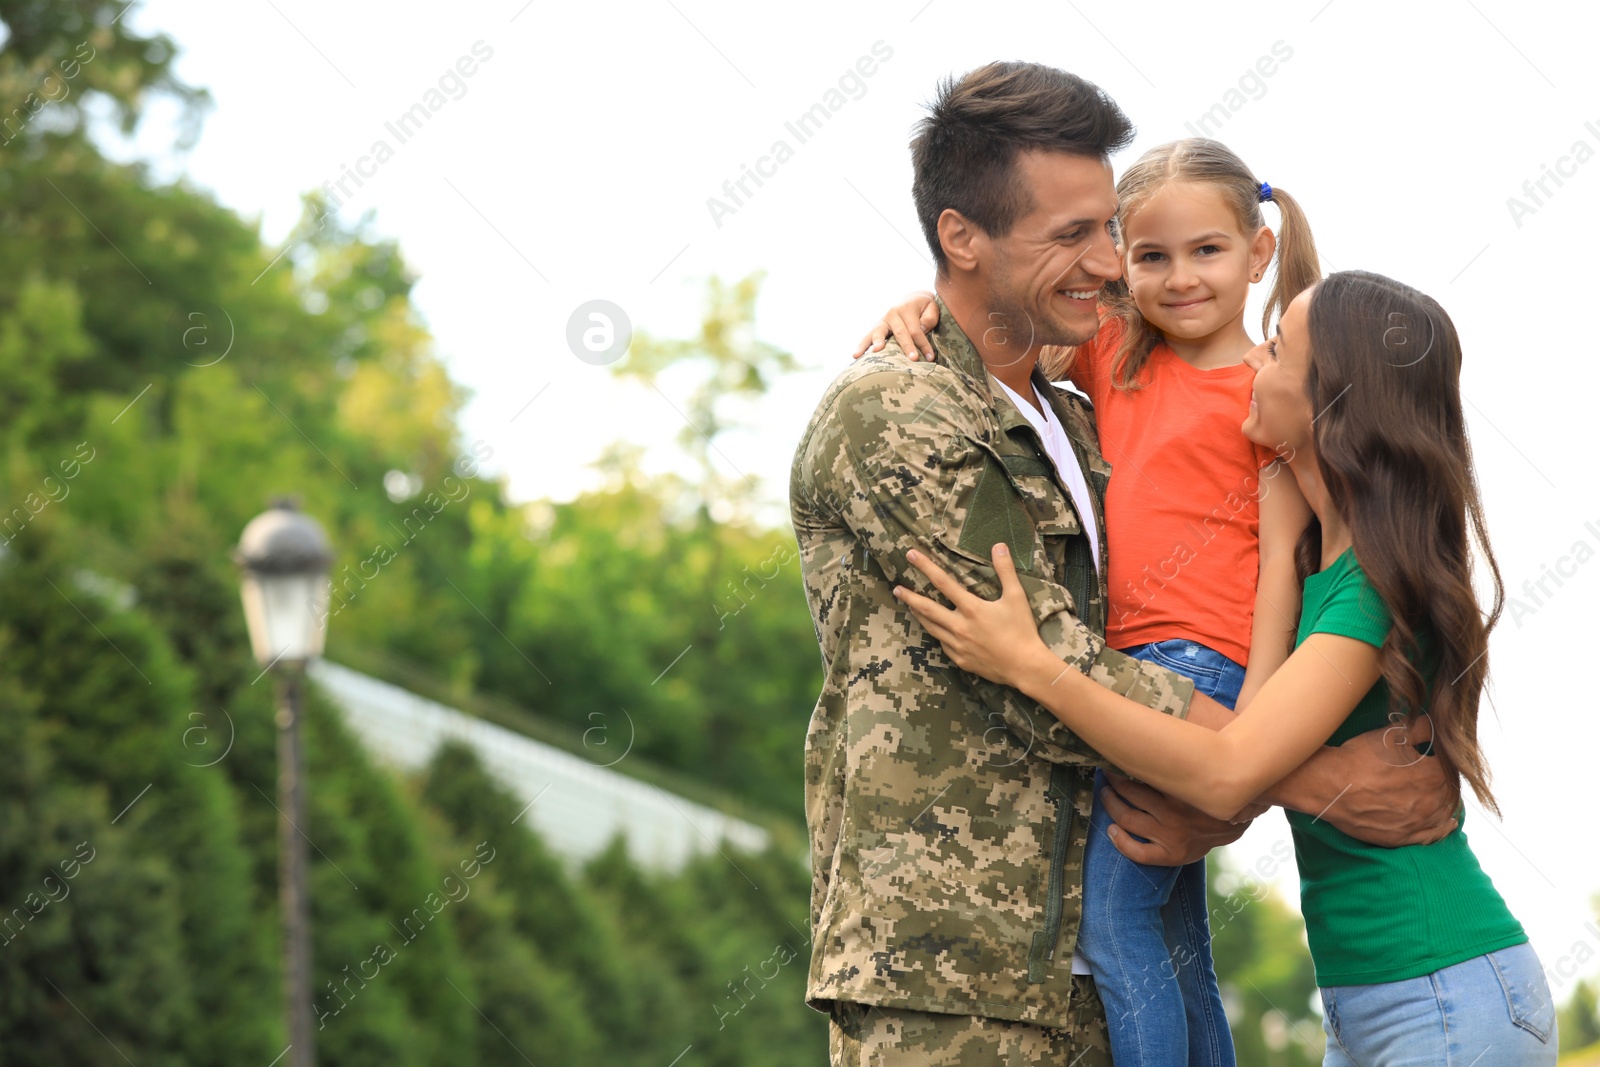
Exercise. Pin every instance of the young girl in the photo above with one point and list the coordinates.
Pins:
(1191, 518)
(1417, 956)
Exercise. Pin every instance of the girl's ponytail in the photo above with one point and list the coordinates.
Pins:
(1298, 267)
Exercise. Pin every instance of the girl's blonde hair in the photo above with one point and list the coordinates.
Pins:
(1197, 160)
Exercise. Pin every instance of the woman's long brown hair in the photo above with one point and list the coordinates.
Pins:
(1197, 161)
(1391, 442)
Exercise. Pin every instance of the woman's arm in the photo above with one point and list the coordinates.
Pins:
(1284, 514)
(1295, 713)
(1219, 772)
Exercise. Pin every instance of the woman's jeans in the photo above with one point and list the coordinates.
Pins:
(1144, 933)
(1491, 1011)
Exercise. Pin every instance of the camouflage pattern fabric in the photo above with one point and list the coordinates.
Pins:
(948, 815)
(863, 1036)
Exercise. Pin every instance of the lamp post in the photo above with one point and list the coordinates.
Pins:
(284, 558)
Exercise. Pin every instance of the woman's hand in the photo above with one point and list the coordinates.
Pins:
(993, 638)
(908, 322)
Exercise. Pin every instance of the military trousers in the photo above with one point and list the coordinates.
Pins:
(862, 1035)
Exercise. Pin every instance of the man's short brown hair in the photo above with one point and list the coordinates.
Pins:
(964, 153)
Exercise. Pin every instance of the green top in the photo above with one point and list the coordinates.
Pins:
(1385, 914)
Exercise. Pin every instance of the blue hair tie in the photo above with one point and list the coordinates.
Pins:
(1265, 192)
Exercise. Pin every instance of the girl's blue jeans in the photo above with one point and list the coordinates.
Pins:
(1144, 933)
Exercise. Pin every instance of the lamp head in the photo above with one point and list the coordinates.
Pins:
(284, 557)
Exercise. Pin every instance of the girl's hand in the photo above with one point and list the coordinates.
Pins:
(908, 322)
(992, 638)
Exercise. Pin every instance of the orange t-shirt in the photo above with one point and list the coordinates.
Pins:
(1183, 529)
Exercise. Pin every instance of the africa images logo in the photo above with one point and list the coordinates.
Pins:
(805, 126)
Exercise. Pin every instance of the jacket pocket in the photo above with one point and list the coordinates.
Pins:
(1063, 538)
(995, 513)
(1048, 506)
(1043, 949)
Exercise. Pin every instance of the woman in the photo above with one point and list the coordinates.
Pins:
(1417, 956)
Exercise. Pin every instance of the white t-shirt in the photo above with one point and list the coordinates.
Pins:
(1059, 447)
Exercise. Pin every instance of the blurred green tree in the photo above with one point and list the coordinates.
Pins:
(1263, 965)
(1579, 1017)
(727, 363)
(58, 53)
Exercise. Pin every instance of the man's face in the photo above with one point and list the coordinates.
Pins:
(1043, 279)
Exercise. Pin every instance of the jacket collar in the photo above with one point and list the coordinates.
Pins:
(957, 351)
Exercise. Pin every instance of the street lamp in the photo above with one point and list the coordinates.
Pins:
(284, 559)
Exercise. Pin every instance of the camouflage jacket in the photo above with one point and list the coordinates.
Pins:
(948, 814)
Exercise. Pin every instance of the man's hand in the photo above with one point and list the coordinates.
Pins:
(1177, 833)
(1378, 788)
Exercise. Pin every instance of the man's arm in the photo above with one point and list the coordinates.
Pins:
(1377, 788)
(901, 462)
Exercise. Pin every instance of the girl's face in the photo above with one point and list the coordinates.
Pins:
(1188, 265)
(1280, 410)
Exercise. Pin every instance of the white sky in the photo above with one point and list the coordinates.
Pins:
(578, 165)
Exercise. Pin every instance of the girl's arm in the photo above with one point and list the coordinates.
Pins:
(908, 322)
(1297, 709)
(1284, 514)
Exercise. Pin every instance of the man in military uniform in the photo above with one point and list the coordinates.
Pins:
(948, 814)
